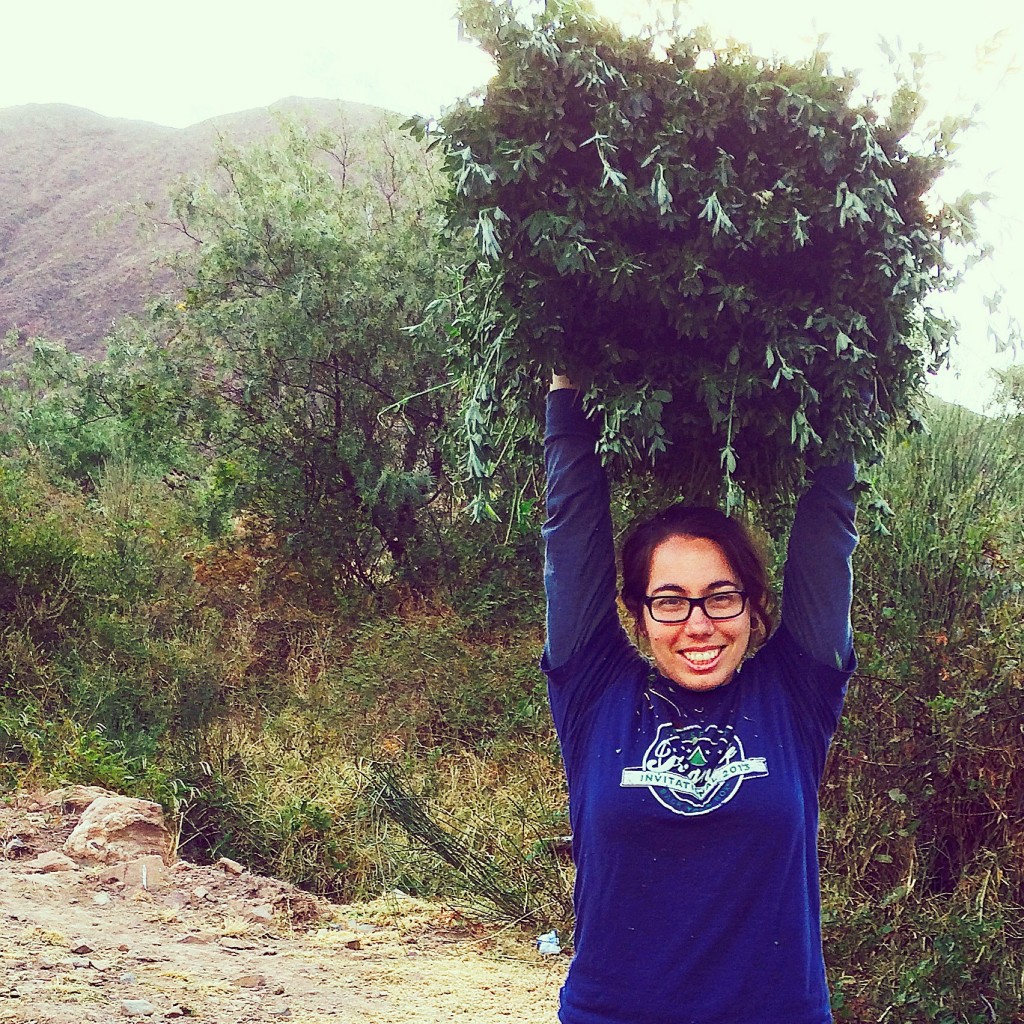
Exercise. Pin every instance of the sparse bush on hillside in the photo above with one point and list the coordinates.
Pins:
(315, 405)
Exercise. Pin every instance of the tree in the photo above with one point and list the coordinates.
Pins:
(1010, 389)
(314, 256)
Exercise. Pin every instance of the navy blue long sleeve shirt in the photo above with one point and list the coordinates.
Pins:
(694, 815)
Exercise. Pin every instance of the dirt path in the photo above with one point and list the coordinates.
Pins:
(203, 944)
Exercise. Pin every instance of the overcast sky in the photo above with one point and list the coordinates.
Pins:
(180, 63)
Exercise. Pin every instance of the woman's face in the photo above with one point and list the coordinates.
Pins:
(701, 653)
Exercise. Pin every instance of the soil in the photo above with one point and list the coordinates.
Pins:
(204, 943)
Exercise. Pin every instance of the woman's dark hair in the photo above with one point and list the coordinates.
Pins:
(742, 552)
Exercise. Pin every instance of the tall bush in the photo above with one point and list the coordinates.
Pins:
(921, 822)
(316, 406)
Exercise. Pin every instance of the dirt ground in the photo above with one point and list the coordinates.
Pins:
(202, 943)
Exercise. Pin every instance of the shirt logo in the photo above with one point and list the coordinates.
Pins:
(694, 769)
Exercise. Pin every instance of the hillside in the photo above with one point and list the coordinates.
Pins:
(72, 256)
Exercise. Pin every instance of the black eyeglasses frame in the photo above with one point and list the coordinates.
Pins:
(696, 602)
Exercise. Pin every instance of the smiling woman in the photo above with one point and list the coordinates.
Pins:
(738, 547)
(705, 649)
(693, 776)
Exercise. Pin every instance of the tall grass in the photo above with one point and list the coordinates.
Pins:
(922, 830)
(957, 492)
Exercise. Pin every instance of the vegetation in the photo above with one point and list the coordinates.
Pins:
(321, 412)
(921, 821)
(236, 576)
(728, 253)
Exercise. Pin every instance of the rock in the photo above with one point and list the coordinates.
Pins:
(138, 1007)
(51, 861)
(147, 872)
(75, 798)
(82, 948)
(117, 828)
(101, 899)
(363, 926)
(16, 847)
(232, 867)
(251, 981)
(353, 944)
(264, 914)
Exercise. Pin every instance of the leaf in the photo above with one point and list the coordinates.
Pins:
(614, 178)
(711, 208)
(486, 235)
(659, 191)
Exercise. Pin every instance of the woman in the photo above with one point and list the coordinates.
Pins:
(693, 781)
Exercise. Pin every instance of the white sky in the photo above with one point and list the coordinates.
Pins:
(182, 62)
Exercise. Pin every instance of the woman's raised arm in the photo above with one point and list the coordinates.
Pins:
(818, 584)
(579, 558)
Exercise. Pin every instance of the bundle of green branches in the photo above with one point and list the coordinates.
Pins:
(732, 259)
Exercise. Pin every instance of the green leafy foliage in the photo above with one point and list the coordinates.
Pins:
(73, 414)
(316, 406)
(734, 259)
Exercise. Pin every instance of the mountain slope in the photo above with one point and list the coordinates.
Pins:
(72, 257)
